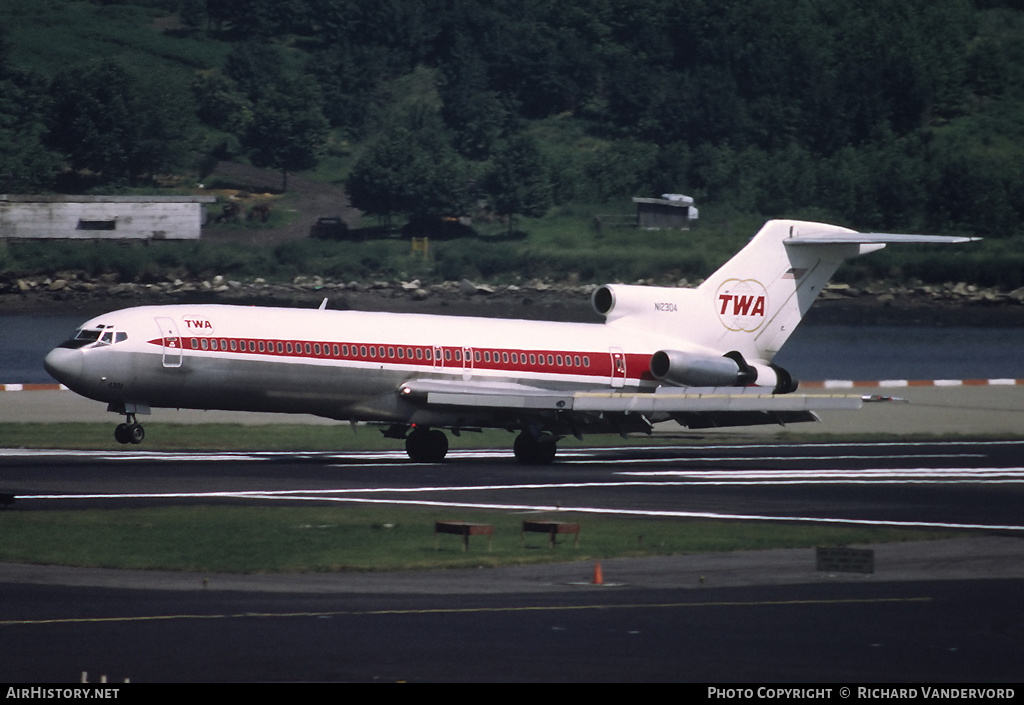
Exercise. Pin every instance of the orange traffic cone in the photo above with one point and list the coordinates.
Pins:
(598, 577)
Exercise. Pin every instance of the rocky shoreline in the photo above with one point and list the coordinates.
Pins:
(949, 304)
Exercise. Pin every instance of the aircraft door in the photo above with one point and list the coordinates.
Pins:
(171, 342)
(618, 367)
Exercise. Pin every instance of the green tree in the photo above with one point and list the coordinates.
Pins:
(193, 13)
(410, 172)
(110, 120)
(26, 165)
(518, 182)
(221, 104)
(470, 108)
(288, 129)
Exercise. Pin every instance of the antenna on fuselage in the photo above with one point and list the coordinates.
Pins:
(323, 305)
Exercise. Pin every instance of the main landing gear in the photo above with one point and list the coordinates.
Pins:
(426, 445)
(129, 432)
(531, 449)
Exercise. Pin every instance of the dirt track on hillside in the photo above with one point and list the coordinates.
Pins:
(310, 199)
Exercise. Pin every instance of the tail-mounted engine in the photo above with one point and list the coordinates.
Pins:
(731, 370)
(648, 303)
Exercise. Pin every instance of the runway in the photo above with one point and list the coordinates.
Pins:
(975, 485)
(942, 611)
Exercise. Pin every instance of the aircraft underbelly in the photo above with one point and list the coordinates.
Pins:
(219, 383)
(338, 392)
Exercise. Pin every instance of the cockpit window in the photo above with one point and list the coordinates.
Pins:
(82, 338)
(87, 336)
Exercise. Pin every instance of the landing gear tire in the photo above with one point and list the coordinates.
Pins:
(534, 451)
(129, 433)
(426, 446)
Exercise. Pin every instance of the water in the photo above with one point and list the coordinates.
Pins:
(815, 352)
(25, 340)
(903, 352)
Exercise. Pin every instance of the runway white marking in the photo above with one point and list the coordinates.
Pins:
(830, 477)
(326, 496)
(693, 477)
(365, 495)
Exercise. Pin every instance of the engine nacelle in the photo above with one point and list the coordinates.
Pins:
(731, 370)
(648, 303)
(689, 370)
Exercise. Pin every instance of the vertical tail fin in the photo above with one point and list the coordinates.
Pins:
(760, 295)
(749, 307)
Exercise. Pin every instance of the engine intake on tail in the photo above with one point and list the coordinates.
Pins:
(731, 370)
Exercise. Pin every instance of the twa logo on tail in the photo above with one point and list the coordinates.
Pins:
(741, 304)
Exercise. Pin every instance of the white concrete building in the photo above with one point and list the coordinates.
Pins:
(102, 217)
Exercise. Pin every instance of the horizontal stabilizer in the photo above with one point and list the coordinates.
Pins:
(850, 238)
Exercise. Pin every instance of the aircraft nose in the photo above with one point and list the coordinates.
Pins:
(64, 365)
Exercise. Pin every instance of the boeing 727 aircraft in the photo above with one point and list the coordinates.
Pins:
(701, 357)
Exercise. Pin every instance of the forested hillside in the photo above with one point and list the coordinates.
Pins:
(889, 114)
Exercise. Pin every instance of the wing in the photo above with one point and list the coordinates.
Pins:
(691, 407)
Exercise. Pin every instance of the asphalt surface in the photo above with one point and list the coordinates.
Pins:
(931, 612)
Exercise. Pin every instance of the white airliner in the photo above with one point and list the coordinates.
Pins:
(701, 357)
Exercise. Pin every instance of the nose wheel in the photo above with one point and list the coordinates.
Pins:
(130, 431)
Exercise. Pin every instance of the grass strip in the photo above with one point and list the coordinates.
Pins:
(286, 539)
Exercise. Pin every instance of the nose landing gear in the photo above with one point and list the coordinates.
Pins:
(129, 432)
